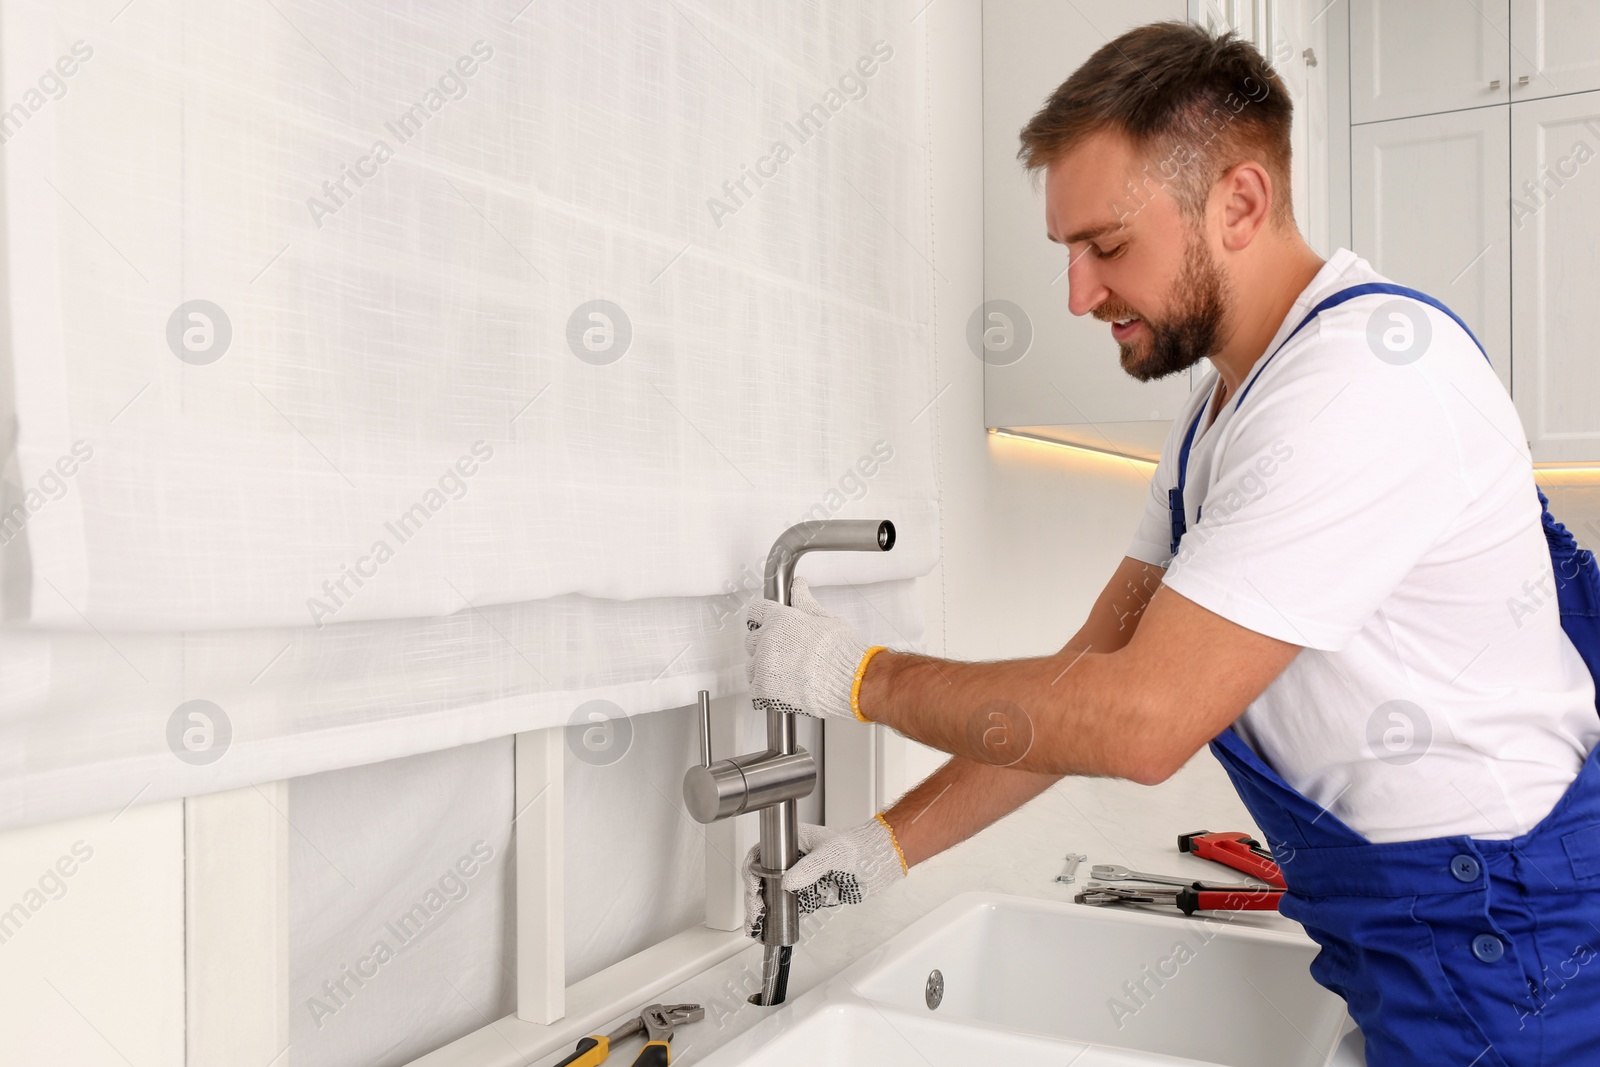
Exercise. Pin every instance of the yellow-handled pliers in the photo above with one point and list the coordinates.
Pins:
(656, 1021)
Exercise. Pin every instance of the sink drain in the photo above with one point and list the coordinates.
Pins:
(933, 993)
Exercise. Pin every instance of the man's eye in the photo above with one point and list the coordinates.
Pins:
(1112, 253)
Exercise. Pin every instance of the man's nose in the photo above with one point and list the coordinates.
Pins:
(1085, 290)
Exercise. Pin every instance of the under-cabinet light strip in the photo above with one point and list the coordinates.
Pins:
(1576, 469)
(1091, 450)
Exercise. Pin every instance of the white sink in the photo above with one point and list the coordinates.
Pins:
(1042, 982)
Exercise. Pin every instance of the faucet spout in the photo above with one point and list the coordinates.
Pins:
(826, 535)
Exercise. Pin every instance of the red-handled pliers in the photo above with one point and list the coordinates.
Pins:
(1237, 850)
(1187, 899)
(1195, 898)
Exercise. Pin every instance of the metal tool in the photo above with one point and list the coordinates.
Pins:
(656, 1022)
(1116, 872)
(1069, 873)
(772, 780)
(659, 1022)
(1239, 851)
(1188, 899)
(1099, 893)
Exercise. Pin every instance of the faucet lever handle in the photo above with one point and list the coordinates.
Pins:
(705, 728)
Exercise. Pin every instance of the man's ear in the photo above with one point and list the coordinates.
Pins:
(1245, 194)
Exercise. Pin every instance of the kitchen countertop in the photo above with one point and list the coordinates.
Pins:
(1112, 821)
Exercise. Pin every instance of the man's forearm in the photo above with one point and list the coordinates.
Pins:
(966, 713)
(1062, 714)
(957, 801)
(1138, 712)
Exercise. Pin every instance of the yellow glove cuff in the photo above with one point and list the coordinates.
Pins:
(855, 690)
(895, 841)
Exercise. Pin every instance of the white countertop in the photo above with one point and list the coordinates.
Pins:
(1112, 821)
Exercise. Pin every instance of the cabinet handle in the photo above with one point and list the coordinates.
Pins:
(1522, 80)
(1495, 84)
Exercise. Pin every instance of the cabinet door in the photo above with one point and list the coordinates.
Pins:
(1555, 238)
(1428, 210)
(1555, 47)
(1417, 57)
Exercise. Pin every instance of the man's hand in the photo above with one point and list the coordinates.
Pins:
(836, 867)
(800, 657)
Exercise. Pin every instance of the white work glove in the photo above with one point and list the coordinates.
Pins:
(800, 658)
(836, 867)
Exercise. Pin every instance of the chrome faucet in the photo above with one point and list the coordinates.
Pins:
(772, 780)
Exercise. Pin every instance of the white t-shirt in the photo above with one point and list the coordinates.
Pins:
(1381, 513)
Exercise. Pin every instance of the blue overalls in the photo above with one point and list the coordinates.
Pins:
(1451, 950)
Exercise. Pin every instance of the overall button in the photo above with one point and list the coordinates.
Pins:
(1488, 948)
(1465, 868)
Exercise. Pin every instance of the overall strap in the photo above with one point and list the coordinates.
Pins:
(1175, 506)
(1175, 511)
(1344, 295)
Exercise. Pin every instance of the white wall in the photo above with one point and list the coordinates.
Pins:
(1030, 533)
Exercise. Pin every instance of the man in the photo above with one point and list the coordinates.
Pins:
(1341, 559)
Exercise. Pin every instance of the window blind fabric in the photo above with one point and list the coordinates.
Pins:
(391, 376)
(635, 871)
(401, 906)
(89, 724)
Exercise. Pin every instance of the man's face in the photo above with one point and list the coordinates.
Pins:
(1137, 262)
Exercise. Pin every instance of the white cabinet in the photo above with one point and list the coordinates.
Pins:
(1428, 209)
(1556, 47)
(1555, 239)
(1493, 207)
(1416, 57)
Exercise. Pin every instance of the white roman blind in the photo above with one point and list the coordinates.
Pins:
(386, 377)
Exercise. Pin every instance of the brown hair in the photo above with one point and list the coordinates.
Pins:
(1197, 104)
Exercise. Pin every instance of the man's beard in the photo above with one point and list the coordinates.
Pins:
(1192, 331)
